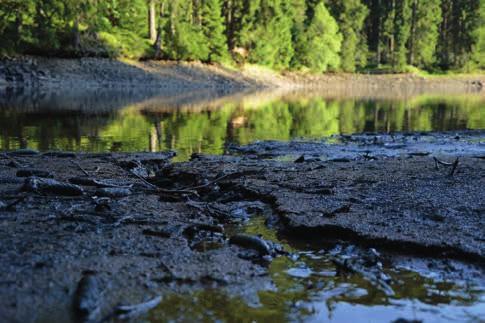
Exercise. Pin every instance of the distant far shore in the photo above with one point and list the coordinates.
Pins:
(174, 77)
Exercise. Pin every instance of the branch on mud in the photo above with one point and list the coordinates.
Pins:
(453, 165)
(80, 167)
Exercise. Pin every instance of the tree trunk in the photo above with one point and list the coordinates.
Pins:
(413, 32)
(151, 21)
(379, 31)
(158, 41)
(76, 36)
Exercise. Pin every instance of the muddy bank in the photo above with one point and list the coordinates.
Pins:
(87, 73)
(136, 226)
(174, 77)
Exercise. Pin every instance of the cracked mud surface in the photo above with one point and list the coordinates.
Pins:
(146, 226)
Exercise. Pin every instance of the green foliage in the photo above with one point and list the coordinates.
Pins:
(425, 20)
(184, 38)
(318, 35)
(323, 42)
(213, 30)
(402, 28)
(267, 34)
(350, 15)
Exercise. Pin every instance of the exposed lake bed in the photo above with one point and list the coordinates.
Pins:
(184, 192)
(280, 227)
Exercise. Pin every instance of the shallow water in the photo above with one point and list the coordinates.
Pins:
(101, 121)
(307, 285)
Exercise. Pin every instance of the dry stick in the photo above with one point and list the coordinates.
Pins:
(440, 162)
(161, 190)
(218, 179)
(186, 190)
(455, 166)
(209, 183)
(130, 311)
(80, 167)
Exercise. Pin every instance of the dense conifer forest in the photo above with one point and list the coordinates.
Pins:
(312, 35)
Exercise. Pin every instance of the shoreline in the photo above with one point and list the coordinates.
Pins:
(178, 77)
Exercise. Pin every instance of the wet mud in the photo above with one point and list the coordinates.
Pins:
(87, 237)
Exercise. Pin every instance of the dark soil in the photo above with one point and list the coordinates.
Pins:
(144, 226)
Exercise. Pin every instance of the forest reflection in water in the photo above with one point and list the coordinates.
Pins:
(109, 121)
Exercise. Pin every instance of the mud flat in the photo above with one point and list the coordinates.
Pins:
(81, 233)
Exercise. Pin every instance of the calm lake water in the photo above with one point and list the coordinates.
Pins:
(100, 121)
(306, 288)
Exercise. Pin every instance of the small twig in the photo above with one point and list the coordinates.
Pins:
(161, 190)
(220, 178)
(144, 180)
(130, 311)
(126, 312)
(80, 167)
(209, 183)
(454, 167)
(440, 162)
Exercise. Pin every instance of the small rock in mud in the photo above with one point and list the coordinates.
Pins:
(251, 242)
(87, 299)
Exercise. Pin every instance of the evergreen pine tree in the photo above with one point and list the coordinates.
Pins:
(323, 41)
(350, 15)
(425, 19)
(298, 14)
(267, 34)
(402, 29)
(478, 49)
(184, 38)
(213, 30)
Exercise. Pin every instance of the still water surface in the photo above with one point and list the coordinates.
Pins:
(113, 121)
(306, 288)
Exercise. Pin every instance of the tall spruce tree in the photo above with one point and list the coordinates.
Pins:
(297, 12)
(266, 33)
(402, 29)
(184, 38)
(459, 32)
(213, 30)
(478, 49)
(425, 20)
(323, 41)
(350, 16)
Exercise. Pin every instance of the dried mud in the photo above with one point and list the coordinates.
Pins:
(144, 226)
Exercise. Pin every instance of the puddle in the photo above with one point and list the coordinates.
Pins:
(310, 287)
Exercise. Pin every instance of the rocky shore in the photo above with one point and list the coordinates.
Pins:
(82, 232)
(178, 77)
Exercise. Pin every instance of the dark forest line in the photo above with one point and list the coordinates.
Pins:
(306, 35)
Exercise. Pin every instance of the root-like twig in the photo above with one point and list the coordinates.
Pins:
(453, 165)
